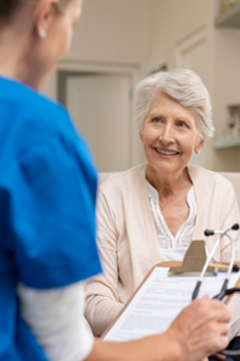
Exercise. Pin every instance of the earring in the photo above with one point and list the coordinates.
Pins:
(198, 151)
(140, 140)
(42, 34)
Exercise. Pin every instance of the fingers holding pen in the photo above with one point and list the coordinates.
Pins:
(211, 310)
(210, 330)
(211, 334)
(203, 311)
(202, 328)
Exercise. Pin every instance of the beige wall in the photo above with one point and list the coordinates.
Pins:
(111, 31)
(110, 34)
(180, 36)
(171, 21)
(226, 91)
(142, 34)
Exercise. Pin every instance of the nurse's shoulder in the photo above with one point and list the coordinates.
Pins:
(29, 118)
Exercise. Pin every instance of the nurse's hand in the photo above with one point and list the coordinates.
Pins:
(201, 329)
(218, 355)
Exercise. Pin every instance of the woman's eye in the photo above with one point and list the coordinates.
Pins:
(182, 124)
(156, 120)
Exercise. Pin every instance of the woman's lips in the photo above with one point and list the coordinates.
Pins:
(166, 153)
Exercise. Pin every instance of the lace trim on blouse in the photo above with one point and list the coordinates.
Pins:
(186, 232)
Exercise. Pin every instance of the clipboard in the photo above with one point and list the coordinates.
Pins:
(162, 265)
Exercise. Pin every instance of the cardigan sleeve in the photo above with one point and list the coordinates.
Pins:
(230, 215)
(224, 213)
(217, 209)
(102, 301)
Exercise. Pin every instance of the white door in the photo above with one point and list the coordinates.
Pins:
(100, 106)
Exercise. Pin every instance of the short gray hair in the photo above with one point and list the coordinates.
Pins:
(184, 86)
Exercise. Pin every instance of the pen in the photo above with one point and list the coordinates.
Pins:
(224, 267)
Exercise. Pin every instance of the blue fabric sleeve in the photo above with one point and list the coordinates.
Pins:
(49, 221)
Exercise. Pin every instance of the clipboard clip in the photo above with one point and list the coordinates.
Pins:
(193, 262)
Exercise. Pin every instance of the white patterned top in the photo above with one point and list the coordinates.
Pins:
(173, 248)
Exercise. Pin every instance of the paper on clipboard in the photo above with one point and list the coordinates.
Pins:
(158, 301)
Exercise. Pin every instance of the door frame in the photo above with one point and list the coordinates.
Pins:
(66, 68)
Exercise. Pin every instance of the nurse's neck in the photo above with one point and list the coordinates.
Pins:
(15, 59)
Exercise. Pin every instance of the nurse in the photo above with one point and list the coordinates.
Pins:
(47, 212)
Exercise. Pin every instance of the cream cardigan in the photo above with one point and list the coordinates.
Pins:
(127, 238)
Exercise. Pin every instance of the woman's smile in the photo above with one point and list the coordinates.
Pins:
(166, 153)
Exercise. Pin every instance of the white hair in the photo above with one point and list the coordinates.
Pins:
(184, 86)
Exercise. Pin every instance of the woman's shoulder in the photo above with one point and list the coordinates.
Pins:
(206, 176)
(120, 181)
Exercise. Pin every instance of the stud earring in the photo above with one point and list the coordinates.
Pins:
(140, 140)
(42, 34)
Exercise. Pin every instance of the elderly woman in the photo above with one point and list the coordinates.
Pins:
(47, 212)
(151, 213)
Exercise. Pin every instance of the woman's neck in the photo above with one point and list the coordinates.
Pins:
(167, 184)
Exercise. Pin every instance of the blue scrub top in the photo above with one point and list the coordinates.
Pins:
(47, 208)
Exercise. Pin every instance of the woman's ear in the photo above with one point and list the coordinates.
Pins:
(140, 137)
(199, 147)
(45, 14)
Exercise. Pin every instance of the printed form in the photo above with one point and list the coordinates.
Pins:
(158, 301)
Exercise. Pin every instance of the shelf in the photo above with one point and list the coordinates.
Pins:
(226, 142)
(230, 19)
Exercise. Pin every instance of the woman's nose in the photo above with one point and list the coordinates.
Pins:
(167, 134)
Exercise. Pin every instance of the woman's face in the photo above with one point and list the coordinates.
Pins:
(169, 135)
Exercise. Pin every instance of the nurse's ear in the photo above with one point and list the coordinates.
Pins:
(46, 12)
(198, 148)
